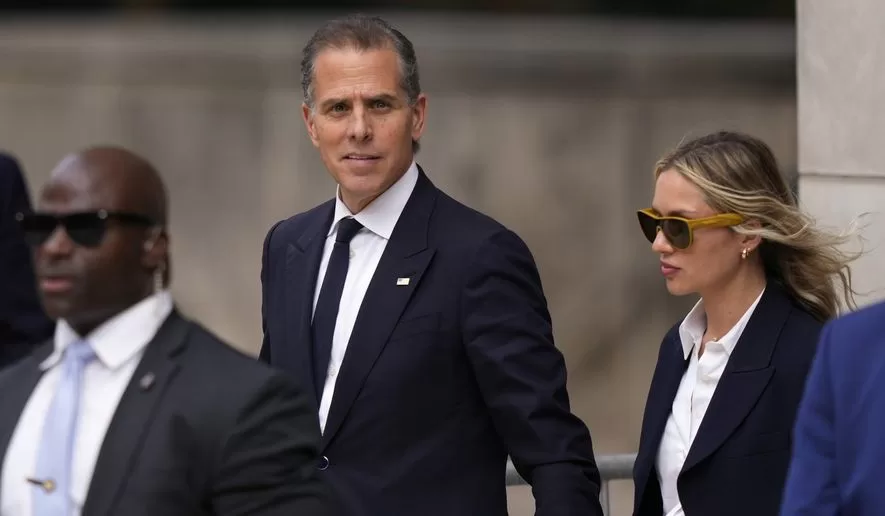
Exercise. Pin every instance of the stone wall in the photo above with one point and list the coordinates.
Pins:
(841, 123)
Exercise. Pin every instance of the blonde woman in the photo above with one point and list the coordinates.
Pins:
(717, 426)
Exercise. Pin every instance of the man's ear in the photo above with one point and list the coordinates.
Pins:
(418, 112)
(156, 249)
(310, 123)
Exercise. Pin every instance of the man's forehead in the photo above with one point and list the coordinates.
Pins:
(336, 68)
(337, 56)
(73, 187)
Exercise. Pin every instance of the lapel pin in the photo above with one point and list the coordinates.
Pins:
(400, 282)
(47, 485)
(147, 381)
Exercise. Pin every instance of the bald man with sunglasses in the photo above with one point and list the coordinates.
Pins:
(131, 409)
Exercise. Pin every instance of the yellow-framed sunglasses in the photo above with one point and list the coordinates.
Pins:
(679, 231)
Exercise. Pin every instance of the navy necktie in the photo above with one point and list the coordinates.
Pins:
(326, 312)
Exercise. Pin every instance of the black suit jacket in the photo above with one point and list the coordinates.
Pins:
(737, 464)
(201, 430)
(23, 324)
(443, 376)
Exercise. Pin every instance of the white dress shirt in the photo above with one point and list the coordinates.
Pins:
(378, 220)
(118, 345)
(693, 397)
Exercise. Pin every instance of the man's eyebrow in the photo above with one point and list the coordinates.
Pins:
(382, 96)
(389, 97)
(331, 102)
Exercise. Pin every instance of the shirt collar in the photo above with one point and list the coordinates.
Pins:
(692, 329)
(121, 337)
(381, 215)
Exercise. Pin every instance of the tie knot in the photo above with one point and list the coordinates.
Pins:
(347, 228)
(80, 352)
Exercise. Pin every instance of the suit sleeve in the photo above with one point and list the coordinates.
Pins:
(522, 377)
(268, 465)
(264, 353)
(811, 488)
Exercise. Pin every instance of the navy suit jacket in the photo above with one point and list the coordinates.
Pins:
(443, 377)
(737, 463)
(23, 324)
(838, 465)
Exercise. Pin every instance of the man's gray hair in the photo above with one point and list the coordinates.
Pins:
(361, 32)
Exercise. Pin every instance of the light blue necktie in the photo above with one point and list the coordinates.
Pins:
(56, 451)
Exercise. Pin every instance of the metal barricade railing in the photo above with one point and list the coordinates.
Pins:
(611, 467)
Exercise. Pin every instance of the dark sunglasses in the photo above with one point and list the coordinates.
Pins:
(679, 231)
(86, 229)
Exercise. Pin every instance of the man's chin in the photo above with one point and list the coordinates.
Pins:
(359, 192)
(57, 307)
(361, 167)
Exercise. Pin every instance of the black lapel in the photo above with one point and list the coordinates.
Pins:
(668, 374)
(134, 416)
(745, 376)
(17, 382)
(302, 266)
(406, 256)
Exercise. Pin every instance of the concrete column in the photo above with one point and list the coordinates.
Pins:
(841, 111)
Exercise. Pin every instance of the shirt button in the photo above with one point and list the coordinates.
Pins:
(352, 254)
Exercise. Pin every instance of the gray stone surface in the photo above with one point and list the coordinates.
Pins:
(841, 113)
(840, 72)
(840, 203)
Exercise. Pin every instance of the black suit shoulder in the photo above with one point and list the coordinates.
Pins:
(225, 377)
(11, 374)
(799, 336)
(457, 219)
(287, 230)
(466, 234)
(217, 386)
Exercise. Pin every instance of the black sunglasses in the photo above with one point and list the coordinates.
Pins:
(86, 229)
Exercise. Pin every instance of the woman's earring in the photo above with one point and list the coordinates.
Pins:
(744, 254)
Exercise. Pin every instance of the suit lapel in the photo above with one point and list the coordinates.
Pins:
(745, 376)
(663, 389)
(406, 256)
(134, 415)
(19, 382)
(302, 266)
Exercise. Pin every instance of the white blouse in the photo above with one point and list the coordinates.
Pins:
(693, 397)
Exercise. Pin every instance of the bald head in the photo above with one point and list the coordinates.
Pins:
(125, 179)
(99, 236)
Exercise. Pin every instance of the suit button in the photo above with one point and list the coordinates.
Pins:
(324, 463)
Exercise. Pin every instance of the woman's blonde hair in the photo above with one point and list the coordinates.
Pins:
(739, 174)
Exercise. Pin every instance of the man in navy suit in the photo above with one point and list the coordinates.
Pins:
(421, 324)
(23, 324)
(839, 440)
